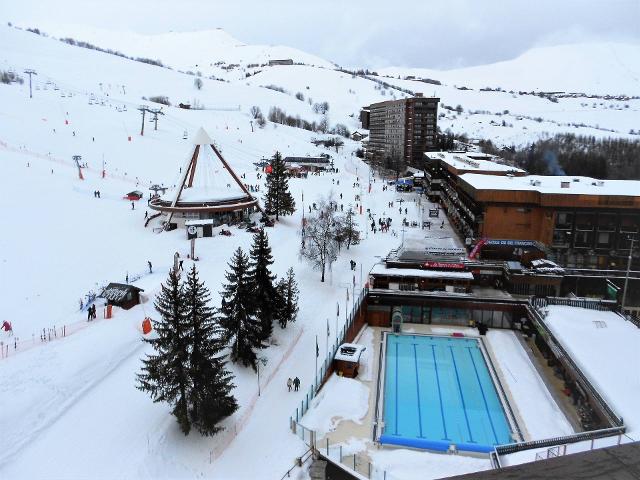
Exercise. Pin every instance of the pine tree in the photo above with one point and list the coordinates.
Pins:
(237, 316)
(278, 199)
(263, 282)
(165, 374)
(210, 399)
(287, 295)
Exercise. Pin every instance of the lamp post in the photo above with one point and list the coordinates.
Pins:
(626, 278)
(263, 361)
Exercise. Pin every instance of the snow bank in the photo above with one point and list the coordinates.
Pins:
(340, 399)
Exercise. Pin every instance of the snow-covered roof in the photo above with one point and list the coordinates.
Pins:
(569, 185)
(472, 161)
(380, 269)
(350, 352)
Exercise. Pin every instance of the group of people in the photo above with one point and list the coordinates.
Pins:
(91, 313)
(295, 383)
(96, 194)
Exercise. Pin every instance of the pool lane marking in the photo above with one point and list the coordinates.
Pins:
(415, 362)
(464, 407)
(435, 364)
(397, 399)
(484, 398)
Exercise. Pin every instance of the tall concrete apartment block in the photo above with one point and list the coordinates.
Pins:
(402, 130)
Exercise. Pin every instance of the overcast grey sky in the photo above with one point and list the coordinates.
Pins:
(374, 33)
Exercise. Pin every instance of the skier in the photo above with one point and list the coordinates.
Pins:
(89, 313)
(146, 214)
(289, 383)
(180, 265)
(296, 384)
(149, 263)
(133, 206)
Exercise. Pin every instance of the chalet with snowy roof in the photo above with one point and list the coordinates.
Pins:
(309, 164)
(122, 295)
(358, 136)
(208, 189)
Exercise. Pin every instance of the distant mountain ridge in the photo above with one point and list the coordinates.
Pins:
(594, 68)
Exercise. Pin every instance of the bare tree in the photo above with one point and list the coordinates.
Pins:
(323, 126)
(255, 111)
(320, 244)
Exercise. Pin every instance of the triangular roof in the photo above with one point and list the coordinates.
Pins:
(201, 138)
(205, 177)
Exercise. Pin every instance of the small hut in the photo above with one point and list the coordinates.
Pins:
(347, 359)
(122, 295)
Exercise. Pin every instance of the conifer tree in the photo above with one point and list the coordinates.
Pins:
(165, 374)
(287, 295)
(237, 315)
(210, 399)
(263, 282)
(278, 199)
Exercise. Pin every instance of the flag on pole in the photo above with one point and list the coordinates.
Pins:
(338, 312)
(347, 294)
(317, 349)
(328, 332)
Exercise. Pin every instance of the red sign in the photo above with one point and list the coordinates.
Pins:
(450, 266)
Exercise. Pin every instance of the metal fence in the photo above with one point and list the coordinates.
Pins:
(326, 363)
(551, 442)
(589, 303)
(353, 462)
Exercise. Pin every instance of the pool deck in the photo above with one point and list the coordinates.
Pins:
(349, 430)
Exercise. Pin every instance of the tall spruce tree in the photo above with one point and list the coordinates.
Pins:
(165, 374)
(278, 199)
(210, 399)
(287, 295)
(263, 282)
(238, 313)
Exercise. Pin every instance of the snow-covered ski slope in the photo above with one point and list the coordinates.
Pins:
(69, 407)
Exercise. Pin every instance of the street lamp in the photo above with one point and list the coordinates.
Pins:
(626, 278)
(263, 361)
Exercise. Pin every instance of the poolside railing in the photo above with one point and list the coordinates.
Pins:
(553, 441)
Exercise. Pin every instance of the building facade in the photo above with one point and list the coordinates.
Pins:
(581, 222)
(401, 131)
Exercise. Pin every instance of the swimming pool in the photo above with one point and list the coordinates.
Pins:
(438, 392)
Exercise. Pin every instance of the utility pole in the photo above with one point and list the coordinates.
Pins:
(156, 112)
(626, 278)
(30, 71)
(144, 109)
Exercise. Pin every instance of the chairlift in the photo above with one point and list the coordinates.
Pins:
(184, 135)
(124, 108)
(90, 102)
(63, 95)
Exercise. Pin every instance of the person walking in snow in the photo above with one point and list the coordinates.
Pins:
(289, 383)
(296, 384)
(133, 206)
(89, 314)
(150, 266)
(180, 265)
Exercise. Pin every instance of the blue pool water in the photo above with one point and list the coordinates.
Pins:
(438, 392)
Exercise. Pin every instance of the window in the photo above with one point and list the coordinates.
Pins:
(604, 240)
